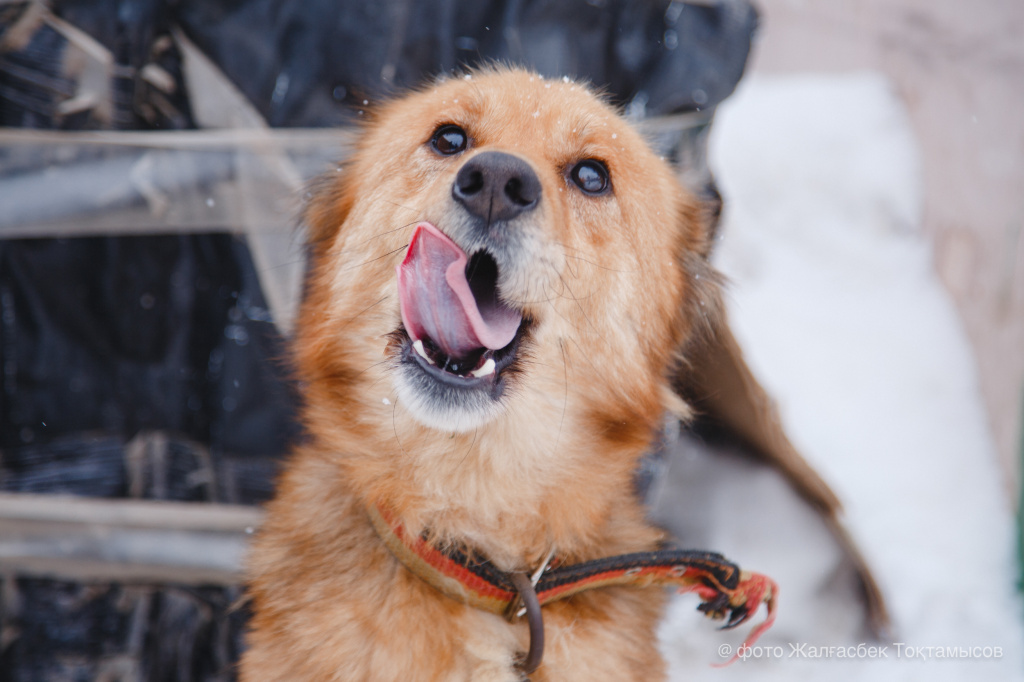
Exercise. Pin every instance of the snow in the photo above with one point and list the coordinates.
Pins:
(835, 303)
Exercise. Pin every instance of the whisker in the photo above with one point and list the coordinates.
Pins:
(284, 264)
(394, 426)
(575, 299)
(565, 395)
(585, 260)
(550, 301)
(586, 356)
(598, 265)
(526, 301)
(368, 368)
(372, 260)
(365, 310)
(395, 203)
(469, 450)
(386, 232)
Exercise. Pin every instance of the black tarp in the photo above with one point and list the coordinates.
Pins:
(106, 338)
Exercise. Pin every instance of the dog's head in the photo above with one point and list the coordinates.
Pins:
(501, 252)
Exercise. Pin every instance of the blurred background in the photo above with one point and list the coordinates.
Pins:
(870, 165)
(153, 157)
(958, 69)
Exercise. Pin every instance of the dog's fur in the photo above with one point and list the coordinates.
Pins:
(612, 289)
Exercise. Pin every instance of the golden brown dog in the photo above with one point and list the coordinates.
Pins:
(504, 276)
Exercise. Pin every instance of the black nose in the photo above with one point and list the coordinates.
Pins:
(496, 186)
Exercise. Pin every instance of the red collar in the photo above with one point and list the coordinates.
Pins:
(726, 592)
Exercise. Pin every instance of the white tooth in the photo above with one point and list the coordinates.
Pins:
(485, 369)
(417, 346)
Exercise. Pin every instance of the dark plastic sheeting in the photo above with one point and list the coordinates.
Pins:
(139, 333)
(661, 57)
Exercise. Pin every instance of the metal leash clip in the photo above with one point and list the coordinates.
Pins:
(527, 604)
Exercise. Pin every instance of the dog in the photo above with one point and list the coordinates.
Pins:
(504, 279)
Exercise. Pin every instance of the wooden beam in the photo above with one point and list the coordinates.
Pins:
(77, 538)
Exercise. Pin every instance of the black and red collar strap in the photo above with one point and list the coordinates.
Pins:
(726, 592)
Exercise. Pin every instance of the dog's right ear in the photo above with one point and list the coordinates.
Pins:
(329, 200)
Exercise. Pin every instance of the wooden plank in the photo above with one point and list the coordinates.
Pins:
(73, 184)
(78, 538)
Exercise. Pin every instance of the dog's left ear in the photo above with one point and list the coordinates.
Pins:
(715, 381)
(697, 225)
(714, 378)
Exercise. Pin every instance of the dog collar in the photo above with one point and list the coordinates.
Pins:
(726, 592)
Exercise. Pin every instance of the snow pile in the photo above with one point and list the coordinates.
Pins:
(835, 303)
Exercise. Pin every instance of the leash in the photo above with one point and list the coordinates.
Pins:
(726, 592)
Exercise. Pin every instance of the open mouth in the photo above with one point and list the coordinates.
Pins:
(458, 329)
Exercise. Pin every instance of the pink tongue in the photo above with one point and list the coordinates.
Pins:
(438, 304)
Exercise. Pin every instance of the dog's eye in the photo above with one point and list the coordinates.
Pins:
(449, 139)
(591, 176)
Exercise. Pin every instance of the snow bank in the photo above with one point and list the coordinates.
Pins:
(835, 303)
